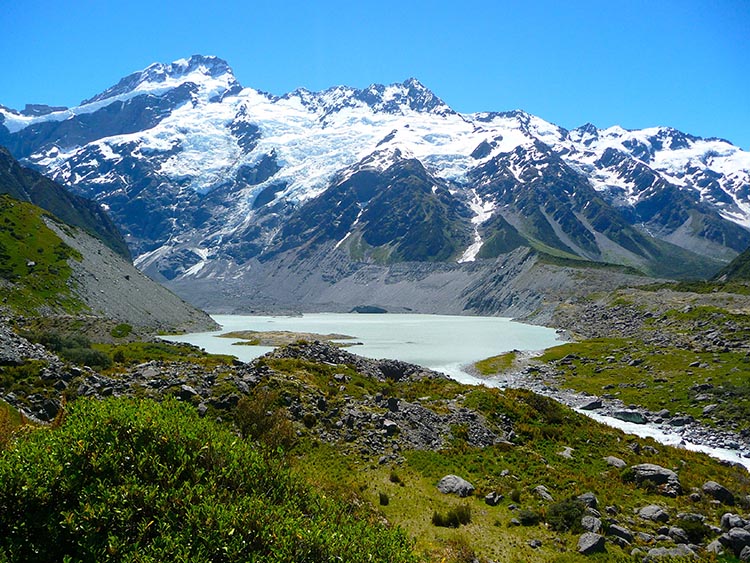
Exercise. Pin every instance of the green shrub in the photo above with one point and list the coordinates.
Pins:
(395, 477)
(528, 517)
(696, 530)
(121, 330)
(6, 425)
(565, 516)
(309, 420)
(453, 518)
(87, 357)
(383, 499)
(259, 418)
(126, 480)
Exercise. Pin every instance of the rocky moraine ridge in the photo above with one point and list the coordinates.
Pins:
(374, 424)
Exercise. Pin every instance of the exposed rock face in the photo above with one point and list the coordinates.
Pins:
(455, 485)
(113, 288)
(15, 350)
(666, 480)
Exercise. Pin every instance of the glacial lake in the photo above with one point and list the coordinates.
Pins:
(440, 342)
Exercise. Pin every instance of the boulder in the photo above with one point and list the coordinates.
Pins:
(666, 480)
(591, 523)
(589, 499)
(680, 551)
(617, 531)
(627, 415)
(493, 498)
(390, 427)
(590, 542)
(736, 539)
(731, 520)
(678, 535)
(186, 392)
(719, 492)
(542, 492)
(654, 513)
(681, 420)
(455, 485)
(715, 547)
(592, 405)
(615, 462)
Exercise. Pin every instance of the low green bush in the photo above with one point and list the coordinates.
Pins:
(127, 480)
(121, 330)
(528, 517)
(259, 418)
(696, 530)
(453, 518)
(565, 516)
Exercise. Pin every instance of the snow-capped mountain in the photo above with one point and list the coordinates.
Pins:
(204, 176)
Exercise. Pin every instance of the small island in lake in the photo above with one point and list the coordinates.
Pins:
(283, 337)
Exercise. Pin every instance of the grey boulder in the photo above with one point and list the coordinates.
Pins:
(590, 542)
(455, 485)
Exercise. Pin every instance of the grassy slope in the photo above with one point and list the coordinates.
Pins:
(688, 354)
(34, 266)
(544, 429)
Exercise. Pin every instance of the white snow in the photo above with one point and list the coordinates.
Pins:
(483, 210)
(319, 137)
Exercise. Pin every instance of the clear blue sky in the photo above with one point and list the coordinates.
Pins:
(638, 63)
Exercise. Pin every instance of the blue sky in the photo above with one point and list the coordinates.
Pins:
(684, 64)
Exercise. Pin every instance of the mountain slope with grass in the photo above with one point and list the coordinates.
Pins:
(49, 268)
(737, 270)
(28, 185)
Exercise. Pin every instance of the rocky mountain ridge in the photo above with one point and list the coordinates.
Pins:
(227, 177)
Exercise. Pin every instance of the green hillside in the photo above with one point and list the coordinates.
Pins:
(30, 186)
(34, 269)
(738, 269)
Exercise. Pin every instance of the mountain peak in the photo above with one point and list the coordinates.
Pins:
(397, 98)
(211, 71)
